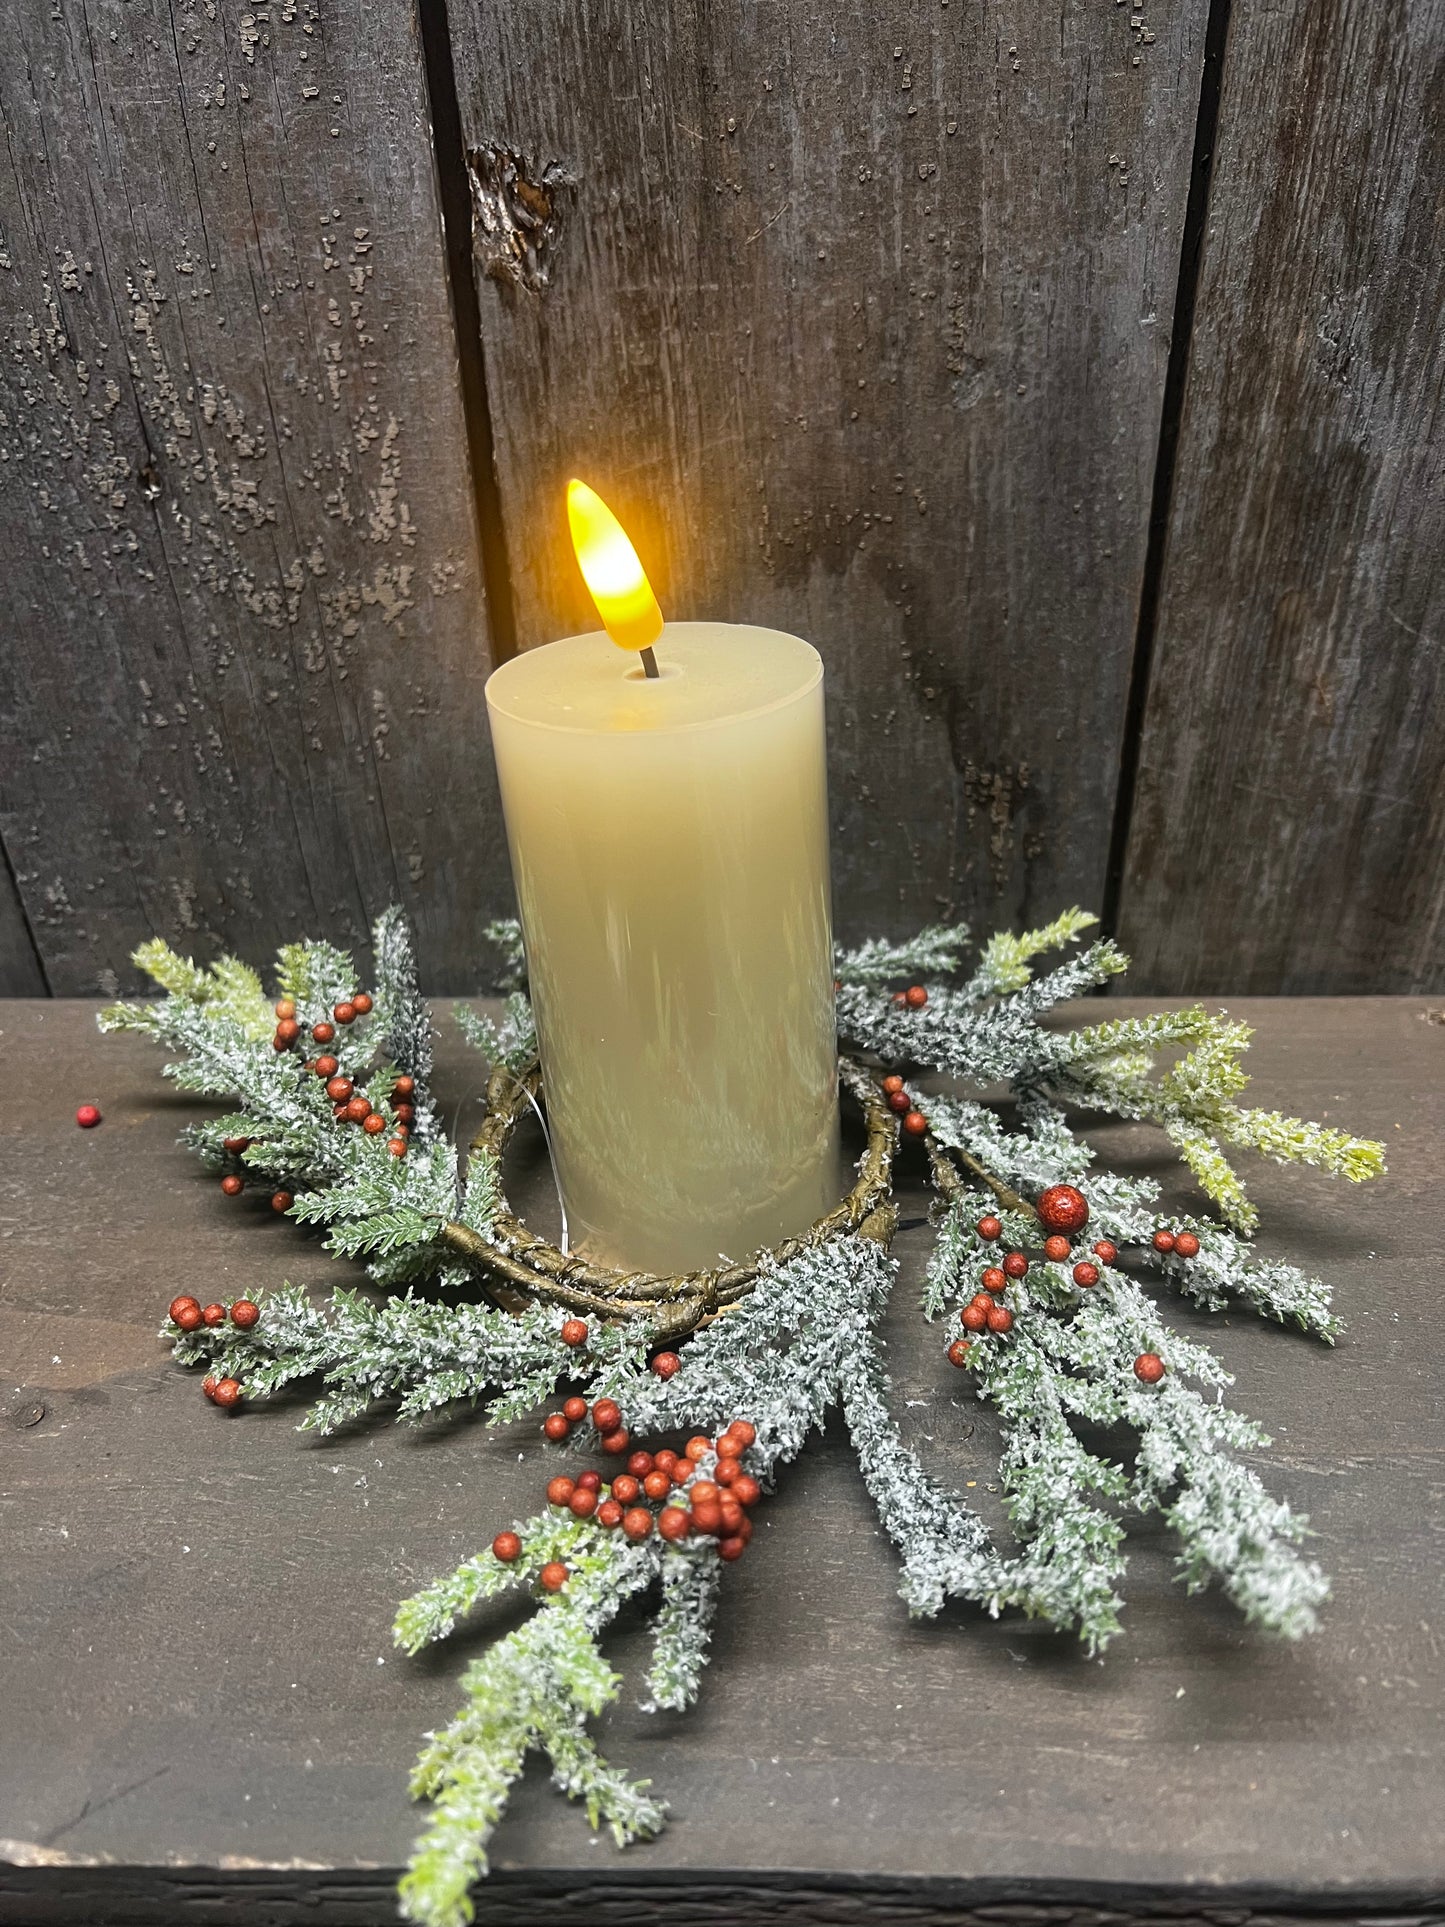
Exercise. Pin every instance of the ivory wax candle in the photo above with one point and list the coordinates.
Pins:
(669, 844)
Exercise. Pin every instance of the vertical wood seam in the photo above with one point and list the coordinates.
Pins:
(29, 928)
(1191, 255)
(456, 204)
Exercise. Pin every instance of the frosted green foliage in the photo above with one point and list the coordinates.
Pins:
(401, 1013)
(683, 1629)
(510, 969)
(513, 1042)
(1005, 964)
(934, 952)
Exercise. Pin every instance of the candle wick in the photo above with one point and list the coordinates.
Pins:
(649, 662)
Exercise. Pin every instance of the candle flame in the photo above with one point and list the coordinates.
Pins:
(615, 578)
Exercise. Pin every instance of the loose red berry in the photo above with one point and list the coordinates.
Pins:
(373, 1124)
(1062, 1207)
(287, 1031)
(916, 997)
(403, 1087)
(640, 1464)
(1186, 1245)
(1149, 1368)
(627, 1488)
(226, 1394)
(361, 1004)
(506, 1547)
(1086, 1274)
(560, 1489)
(213, 1314)
(989, 1228)
(667, 1365)
(339, 1089)
(326, 1066)
(616, 1443)
(591, 1480)
(733, 1548)
(707, 1515)
(574, 1331)
(973, 1318)
(1056, 1248)
(994, 1278)
(178, 1305)
(1105, 1251)
(323, 1032)
(742, 1429)
(892, 1084)
(575, 1408)
(281, 1200)
(583, 1502)
(900, 1102)
(697, 1448)
(244, 1314)
(344, 1013)
(396, 1146)
(208, 1386)
(609, 1513)
(236, 1145)
(916, 1124)
(999, 1318)
(673, 1523)
(233, 1185)
(746, 1490)
(286, 1007)
(1164, 1241)
(553, 1576)
(555, 1427)
(637, 1523)
(1016, 1265)
(958, 1352)
(664, 1461)
(729, 1446)
(606, 1415)
(88, 1116)
(358, 1109)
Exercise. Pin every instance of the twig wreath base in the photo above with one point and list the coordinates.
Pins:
(463, 1303)
(517, 1265)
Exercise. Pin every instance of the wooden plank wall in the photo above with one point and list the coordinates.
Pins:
(863, 315)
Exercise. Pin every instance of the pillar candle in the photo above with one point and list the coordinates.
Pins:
(669, 844)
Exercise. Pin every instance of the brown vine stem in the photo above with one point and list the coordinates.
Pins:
(951, 1185)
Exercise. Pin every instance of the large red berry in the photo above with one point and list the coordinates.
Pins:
(746, 1489)
(665, 1461)
(707, 1515)
(506, 1547)
(640, 1464)
(1186, 1245)
(183, 1304)
(592, 1480)
(989, 1228)
(396, 1146)
(1063, 1208)
(373, 1124)
(236, 1145)
(733, 1548)
(730, 1446)
(188, 1317)
(606, 1415)
(697, 1448)
(358, 1108)
(657, 1485)
(88, 1116)
(1149, 1368)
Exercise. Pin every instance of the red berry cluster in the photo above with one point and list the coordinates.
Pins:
(190, 1314)
(914, 1122)
(1183, 1244)
(288, 1029)
(714, 1508)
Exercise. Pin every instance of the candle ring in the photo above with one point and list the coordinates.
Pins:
(518, 1267)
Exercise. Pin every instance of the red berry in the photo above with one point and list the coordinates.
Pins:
(626, 1488)
(681, 1472)
(583, 1502)
(555, 1427)
(244, 1314)
(982, 1299)
(640, 1464)
(591, 1480)
(1164, 1241)
(286, 1007)
(742, 1429)
(1016, 1265)
(617, 1442)
(704, 1491)
(916, 1124)
(208, 1386)
(1106, 1252)
(994, 1278)
(338, 1089)
(916, 997)
(728, 1470)
(746, 1490)
(1186, 1245)
(733, 1548)
(213, 1314)
(973, 1318)
(403, 1087)
(506, 1547)
(178, 1305)
(88, 1116)
(361, 1004)
(560, 1489)
(637, 1523)
(326, 1066)
(697, 1448)
(1149, 1368)
(323, 1033)
(999, 1318)
(989, 1228)
(227, 1394)
(667, 1365)
(1056, 1248)
(900, 1000)
(396, 1146)
(900, 1102)
(358, 1109)
(606, 1415)
(574, 1331)
(732, 1513)
(707, 1515)
(665, 1461)
(287, 1031)
(236, 1145)
(958, 1352)
(188, 1317)
(281, 1200)
(404, 1113)
(233, 1185)
(1062, 1207)
(657, 1485)
(344, 1013)
(553, 1576)
(673, 1523)
(892, 1084)
(1086, 1274)
(575, 1408)
(729, 1446)
(609, 1513)
(373, 1124)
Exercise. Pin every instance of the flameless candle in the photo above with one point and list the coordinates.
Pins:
(669, 844)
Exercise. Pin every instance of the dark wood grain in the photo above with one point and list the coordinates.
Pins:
(245, 635)
(1289, 829)
(859, 315)
(21, 974)
(194, 1606)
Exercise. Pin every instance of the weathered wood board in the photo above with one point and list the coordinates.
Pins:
(204, 1719)
(859, 316)
(1289, 826)
(245, 637)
